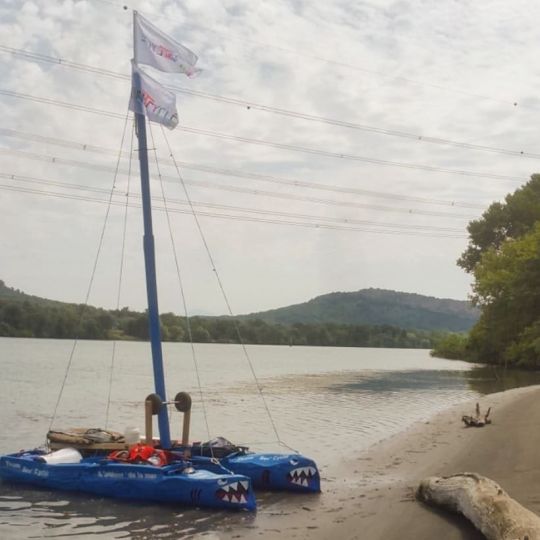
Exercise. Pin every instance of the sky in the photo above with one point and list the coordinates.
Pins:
(326, 146)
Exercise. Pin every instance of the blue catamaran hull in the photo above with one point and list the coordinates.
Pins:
(289, 472)
(269, 471)
(170, 484)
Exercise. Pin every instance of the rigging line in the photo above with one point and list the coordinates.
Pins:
(224, 294)
(250, 105)
(243, 218)
(262, 177)
(120, 276)
(92, 276)
(255, 192)
(181, 284)
(260, 142)
(171, 200)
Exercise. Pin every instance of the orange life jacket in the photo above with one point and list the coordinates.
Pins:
(141, 453)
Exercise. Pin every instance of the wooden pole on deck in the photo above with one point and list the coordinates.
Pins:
(148, 406)
(182, 402)
(152, 406)
(185, 428)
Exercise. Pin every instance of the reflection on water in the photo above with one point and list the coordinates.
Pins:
(324, 402)
(27, 512)
(83, 516)
(490, 379)
(480, 379)
(405, 381)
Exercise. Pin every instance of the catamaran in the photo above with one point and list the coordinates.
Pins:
(217, 474)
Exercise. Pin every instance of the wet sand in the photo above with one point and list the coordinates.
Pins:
(371, 496)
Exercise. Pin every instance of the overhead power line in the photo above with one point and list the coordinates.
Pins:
(260, 142)
(235, 217)
(28, 55)
(331, 61)
(257, 192)
(86, 147)
(201, 204)
(325, 153)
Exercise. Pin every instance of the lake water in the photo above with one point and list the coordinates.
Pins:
(325, 402)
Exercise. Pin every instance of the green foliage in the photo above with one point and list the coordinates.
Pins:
(451, 346)
(507, 286)
(504, 257)
(501, 222)
(525, 351)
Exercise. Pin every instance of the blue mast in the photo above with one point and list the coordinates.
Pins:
(150, 268)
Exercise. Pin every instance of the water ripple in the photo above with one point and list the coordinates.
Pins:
(325, 402)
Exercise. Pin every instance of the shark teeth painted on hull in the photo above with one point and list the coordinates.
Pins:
(235, 492)
(301, 476)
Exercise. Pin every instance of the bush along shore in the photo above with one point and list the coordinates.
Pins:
(70, 321)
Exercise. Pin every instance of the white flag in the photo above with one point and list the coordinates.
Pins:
(148, 97)
(156, 49)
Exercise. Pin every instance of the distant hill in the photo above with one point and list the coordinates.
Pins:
(376, 307)
(15, 295)
(25, 314)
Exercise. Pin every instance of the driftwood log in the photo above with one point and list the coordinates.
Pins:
(484, 503)
(477, 420)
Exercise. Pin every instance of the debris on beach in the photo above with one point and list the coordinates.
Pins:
(490, 509)
(477, 420)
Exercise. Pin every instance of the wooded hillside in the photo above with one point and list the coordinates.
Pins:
(22, 315)
(378, 306)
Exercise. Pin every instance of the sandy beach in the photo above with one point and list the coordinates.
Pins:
(371, 496)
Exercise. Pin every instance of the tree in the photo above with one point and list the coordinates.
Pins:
(200, 334)
(507, 287)
(501, 222)
(138, 326)
(504, 257)
(13, 315)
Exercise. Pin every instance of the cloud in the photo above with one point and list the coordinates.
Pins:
(450, 70)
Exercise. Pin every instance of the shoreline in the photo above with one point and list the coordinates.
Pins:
(371, 495)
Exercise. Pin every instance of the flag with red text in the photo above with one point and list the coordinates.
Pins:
(156, 49)
(150, 98)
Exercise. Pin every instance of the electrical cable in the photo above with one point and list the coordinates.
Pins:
(86, 147)
(250, 105)
(256, 192)
(233, 217)
(169, 200)
(272, 144)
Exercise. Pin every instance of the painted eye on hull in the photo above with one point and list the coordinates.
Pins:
(222, 481)
(294, 462)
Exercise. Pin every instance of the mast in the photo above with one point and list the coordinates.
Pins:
(150, 270)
